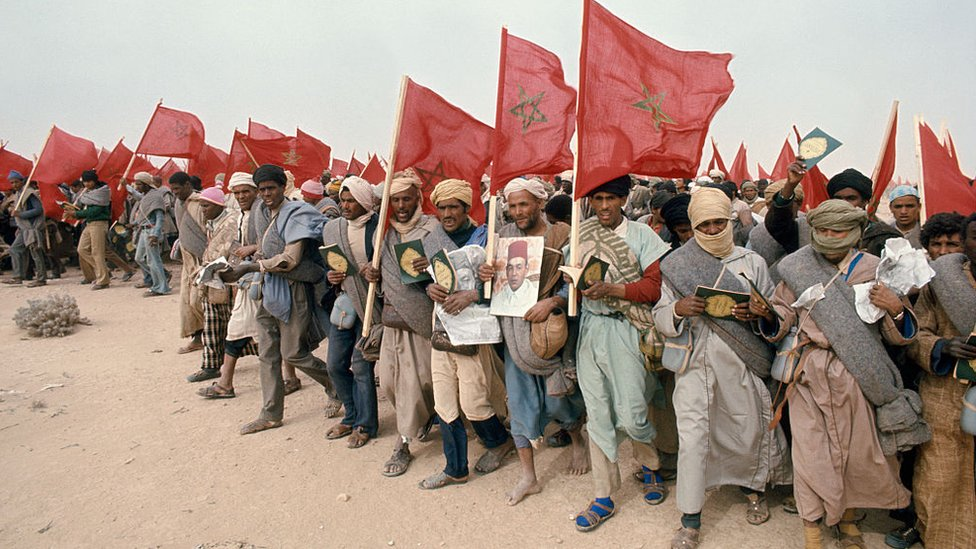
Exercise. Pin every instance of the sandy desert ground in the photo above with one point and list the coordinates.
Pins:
(104, 444)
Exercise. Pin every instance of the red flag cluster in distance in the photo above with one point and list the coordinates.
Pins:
(739, 171)
(716, 161)
(644, 107)
(440, 141)
(257, 130)
(172, 133)
(885, 168)
(535, 116)
(373, 172)
(62, 160)
(110, 169)
(210, 162)
(944, 187)
(355, 166)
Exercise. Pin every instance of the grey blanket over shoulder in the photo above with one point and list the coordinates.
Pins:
(99, 196)
(518, 332)
(153, 200)
(193, 237)
(406, 302)
(860, 349)
(955, 293)
(337, 232)
(763, 243)
(688, 267)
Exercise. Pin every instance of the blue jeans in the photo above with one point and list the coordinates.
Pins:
(353, 378)
(148, 258)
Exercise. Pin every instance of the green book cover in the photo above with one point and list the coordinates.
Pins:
(595, 270)
(815, 147)
(754, 291)
(406, 253)
(444, 273)
(966, 369)
(719, 303)
(334, 258)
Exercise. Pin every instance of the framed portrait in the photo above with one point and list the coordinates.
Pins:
(518, 263)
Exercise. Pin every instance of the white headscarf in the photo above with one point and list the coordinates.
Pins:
(361, 191)
(533, 186)
(238, 179)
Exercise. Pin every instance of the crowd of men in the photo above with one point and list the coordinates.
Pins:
(858, 415)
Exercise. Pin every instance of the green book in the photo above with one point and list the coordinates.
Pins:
(966, 369)
(335, 259)
(444, 273)
(719, 303)
(595, 270)
(815, 147)
(406, 254)
(754, 291)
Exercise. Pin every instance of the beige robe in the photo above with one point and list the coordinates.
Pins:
(191, 309)
(945, 492)
(837, 457)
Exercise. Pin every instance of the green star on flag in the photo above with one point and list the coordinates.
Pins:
(430, 178)
(521, 109)
(652, 104)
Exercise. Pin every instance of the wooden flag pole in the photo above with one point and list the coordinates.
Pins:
(249, 155)
(572, 306)
(492, 198)
(23, 193)
(873, 207)
(921, 172)
(490, 246)
(385, 205)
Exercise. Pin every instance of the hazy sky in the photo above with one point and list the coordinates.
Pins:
(96, 69)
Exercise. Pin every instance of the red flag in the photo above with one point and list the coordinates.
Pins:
(951, 148)
(944, 187)
(814, 183)
(238, 160)
(440, 141)
(288, 152)
(340, 168)
(12, 161)
(210, 162)
(102, 155)
(535, 115)
(168, 169)
(716, 161)
(257, 130)
(885, 168)
(110, 171)
(355, 166)
(140, 164)
(644, 107)
(786, 157)
(64, 157)
(172, 133)
(318, 154)
(739, 171)
(763, 174)
(373, 172)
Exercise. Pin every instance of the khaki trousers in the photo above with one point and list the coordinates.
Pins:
(91, 252)
(606, 473)
(405, 378)
(468, 384)
(191, 309)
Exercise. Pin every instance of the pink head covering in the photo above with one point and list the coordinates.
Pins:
(313, 189)
(213, 195)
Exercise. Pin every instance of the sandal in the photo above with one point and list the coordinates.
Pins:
(592, 518)
(292, 385)
(398, 462)
(259, 425)
(757, 512)
(191, 347)
(492, 459)
(441, 480)
(215, 390)
(655, 492)
(666, 474)
(686, 538)
(338, 431)
(358, 438)
(333, 407)
(203, 374)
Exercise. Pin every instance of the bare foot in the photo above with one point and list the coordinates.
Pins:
(525, 487)
(580, 464)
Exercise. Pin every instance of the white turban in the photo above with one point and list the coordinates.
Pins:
(716, 173)
(145, 177)
(238, 179)
(361, 191)
(534, 186)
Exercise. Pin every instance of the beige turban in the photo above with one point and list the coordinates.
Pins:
(241, 179)
(451, 188)
(533, 186)
(404, 181)
(838, 215)
(776, 187)
(711, 203)
(145, 177)
(361, 191)
(333, 186)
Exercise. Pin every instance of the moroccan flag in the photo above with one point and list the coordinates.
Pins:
(206, 165)
(373, 172)
(238, 159)
(716, 161)
(763, 174)
(257, 130)
(173, 133)
(340, 168)
(739, 171)
(167, 170)
(140, 164)
(944, 187)
(12, 161)
(535, 114)
(786, 157)
(317, 154)
(814, 183)
(110, 171)
(102, 155)
(287, 153)
(644, 107)
(885, 169)
(440, 141)
(64, 157)
(355, 166)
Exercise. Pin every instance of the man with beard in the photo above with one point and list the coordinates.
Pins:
(404, 364)
(532, 402)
